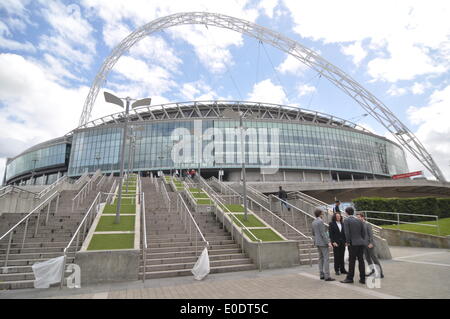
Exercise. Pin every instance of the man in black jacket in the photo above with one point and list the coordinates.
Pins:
(337, 238)
(283, 195)
(355, 234)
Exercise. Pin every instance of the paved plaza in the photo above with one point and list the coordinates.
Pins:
(412, 273)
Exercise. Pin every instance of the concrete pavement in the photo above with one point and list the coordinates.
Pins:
(413, 273)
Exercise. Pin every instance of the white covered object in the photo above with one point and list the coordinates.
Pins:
(346, 256)
(48, 272)
(201, 267)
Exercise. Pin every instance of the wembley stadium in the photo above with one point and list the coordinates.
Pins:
(311, 146)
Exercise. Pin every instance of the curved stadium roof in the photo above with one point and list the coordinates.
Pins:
(213, 109)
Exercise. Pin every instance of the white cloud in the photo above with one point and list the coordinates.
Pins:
(305, 89)
(71, 37)
(396, 91)
(197, 90)
(418, 88)
(356, 51)
(268, 7)
(10, 44)
(291, 65)
(35, 108)
(138, 76)
(211, 45)
(434, 127)
(414, 34)
(266, 91)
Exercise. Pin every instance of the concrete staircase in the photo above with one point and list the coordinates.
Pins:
(294, 218)
(171, 252)
(49, 242)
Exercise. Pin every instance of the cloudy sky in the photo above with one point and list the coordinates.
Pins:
(50, 52)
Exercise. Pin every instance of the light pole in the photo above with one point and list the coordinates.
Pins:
(34, 160)
(97, 157)
(229, 113)
(110, 98)
(329, 167)
(371, 167)
(132, 148)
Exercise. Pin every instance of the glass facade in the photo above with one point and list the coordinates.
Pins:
(216, 144)
(44, 157)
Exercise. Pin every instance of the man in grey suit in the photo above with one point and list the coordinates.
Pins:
(369, 251)
(355, 232)
(322, 243)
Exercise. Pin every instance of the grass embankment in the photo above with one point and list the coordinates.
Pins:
(444, 227)
(265, 234)
(106, 223)
(251, 221)
(201, 198)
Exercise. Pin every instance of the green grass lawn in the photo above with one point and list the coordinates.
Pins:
(195, 190)
(252, 221)
(233, 208)
(263, 234)
(124, 209)
(106, 223)
(127, 201)
(111, 241)
(200, 195)
(179, 189)
(204, 202)
(444, 225)
(129, 193)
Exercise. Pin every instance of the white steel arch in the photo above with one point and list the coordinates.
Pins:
(357, 92)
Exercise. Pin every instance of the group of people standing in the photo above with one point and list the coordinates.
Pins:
(353, 233)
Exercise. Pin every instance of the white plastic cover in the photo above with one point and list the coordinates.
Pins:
(201, 267)
(346, 256)
(48, 272)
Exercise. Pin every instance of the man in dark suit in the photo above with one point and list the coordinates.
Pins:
(355, 233)
(322, 243)
(336, 208)
(369, 251)
(337, 238)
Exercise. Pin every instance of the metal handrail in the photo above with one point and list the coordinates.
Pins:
(187, 211)
(144, 234)
(398, 221)
(8, 189)
(314, 203)
(155, 182)
(165, 194)
(88, 218)
(52, 186)
(25, 219)
(287, 225)
(223, 207)
(258, 193)
(112, 191)
(82, 194)
(82, 177)
(273, 215)
(100, 182)
(243, 228)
